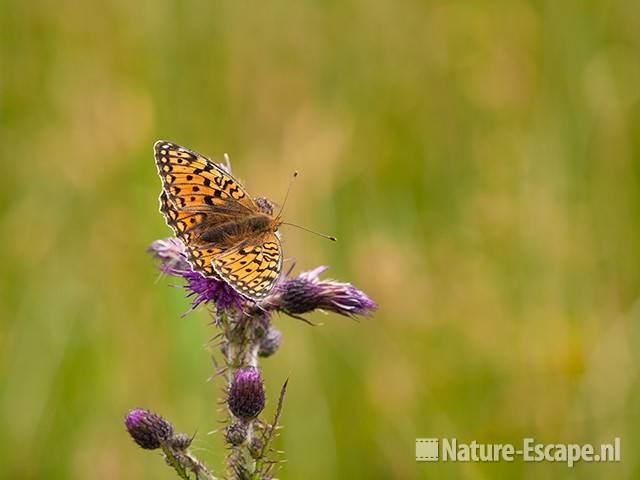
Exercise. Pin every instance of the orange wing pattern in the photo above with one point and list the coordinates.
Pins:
(254, 269)
(181, 221)
(199, 195)
(191, 180)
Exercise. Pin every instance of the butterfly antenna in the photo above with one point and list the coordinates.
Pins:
(328, 237)
(286, 195)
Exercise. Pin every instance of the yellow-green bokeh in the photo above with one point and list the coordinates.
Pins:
(479, 162)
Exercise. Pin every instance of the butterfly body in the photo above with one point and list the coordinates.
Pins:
(226, 233)
(232, 233)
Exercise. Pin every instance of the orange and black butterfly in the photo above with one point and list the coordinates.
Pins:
(225, 231)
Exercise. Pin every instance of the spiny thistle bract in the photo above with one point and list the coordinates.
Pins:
(180, 441)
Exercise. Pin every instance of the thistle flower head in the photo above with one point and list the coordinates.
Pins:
(246, 394)
(173, 261)
(210, 289)
(306, 292)
(147, 429)
(170, 251)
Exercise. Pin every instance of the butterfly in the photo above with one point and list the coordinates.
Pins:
(226, 233)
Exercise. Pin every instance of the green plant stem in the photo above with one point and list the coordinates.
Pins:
(198, 468)
(182, 461)
(175, 463)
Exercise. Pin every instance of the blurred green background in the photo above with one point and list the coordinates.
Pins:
(479, 162)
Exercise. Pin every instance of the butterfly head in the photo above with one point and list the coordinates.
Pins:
(266, 207)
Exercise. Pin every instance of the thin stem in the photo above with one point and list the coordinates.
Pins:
(241, 351)
(182, 461)
(242, 333)
(253, 356)
(174, 462)
(235, 460)
(198, 468)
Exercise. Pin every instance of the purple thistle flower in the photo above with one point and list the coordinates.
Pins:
(147, 429)
(210, 289)
(246, 394)
(173, 258)
(173, 261)
(307, 292)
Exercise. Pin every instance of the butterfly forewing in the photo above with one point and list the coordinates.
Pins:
(200, 197)
(190, 179)
(182, 223)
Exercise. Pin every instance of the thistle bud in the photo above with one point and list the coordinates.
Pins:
(270, 343)
(236, 433)
(147, 429)
(180, 441)
(246, 394)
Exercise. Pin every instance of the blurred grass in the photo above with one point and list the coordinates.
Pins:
(479, 162)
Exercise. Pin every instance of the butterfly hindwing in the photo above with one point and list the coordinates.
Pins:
(254, 268)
